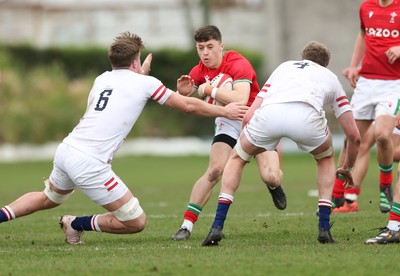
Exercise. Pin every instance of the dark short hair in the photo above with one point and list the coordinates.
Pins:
(206, 33)
(316, 52)
(125, 48)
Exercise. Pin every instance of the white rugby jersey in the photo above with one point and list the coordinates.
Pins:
(115, 102)
(308, 82)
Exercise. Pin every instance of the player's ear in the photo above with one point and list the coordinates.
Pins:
(135, 65)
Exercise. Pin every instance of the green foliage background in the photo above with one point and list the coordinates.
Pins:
(43, 92)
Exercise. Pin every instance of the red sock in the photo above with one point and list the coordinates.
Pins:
(338, 188)
(353, 190)
(394, 216)
(191, 216)
(385, 179)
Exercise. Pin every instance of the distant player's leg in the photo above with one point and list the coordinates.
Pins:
(268, 164)
(338, 187)
(359, 173)
(396, 144)
(391, 233)
(202, 189)
(384, 125)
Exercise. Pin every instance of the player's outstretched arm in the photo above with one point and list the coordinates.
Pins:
(348, 124)
(233, 111)
(351, 72)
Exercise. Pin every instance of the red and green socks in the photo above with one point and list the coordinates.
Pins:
(190, 216)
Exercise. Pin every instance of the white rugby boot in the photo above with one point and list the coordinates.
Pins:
(72, 236)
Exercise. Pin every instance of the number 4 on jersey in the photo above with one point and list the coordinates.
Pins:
(301, 64)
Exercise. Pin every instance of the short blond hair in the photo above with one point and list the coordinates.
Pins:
(316, 52)
(125, 48)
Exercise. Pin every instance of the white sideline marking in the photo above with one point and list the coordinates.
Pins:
(312, 193)
(161, 216)
(176, 146)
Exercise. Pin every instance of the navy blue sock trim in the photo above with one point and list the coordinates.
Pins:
(3, 216)
(324, 217)
(82, 223)
(221, 213)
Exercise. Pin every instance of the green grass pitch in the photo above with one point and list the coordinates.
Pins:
(260, 240)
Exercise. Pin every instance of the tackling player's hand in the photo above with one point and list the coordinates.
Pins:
(235, 111)
(147, 64)
(185, 85)
(347, 175)
(351, 73)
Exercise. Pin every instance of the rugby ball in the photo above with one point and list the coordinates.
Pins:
(223, 81)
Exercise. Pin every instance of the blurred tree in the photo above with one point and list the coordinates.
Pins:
(206, 11)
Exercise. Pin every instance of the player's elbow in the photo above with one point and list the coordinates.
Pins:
(189, 108)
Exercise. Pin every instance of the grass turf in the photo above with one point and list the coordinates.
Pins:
(259, 239)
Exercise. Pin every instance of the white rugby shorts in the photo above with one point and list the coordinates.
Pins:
(74, 169)
(297, 121)
(228, 127)
(373, 98)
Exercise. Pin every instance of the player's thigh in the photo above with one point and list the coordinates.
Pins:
(103, 188)
(384, 125)
(59, 177)
(268, 160)
(94, 178)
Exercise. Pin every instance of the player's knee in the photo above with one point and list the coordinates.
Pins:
(382, 140)
(272, 177)
(131, 215)
(214, 174)
(136, 225)
(140, 224)
(53, 195)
